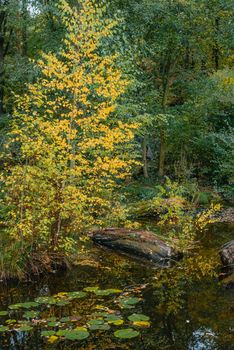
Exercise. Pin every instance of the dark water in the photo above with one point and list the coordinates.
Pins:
(188, 307)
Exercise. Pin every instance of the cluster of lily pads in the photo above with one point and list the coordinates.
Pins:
(26, 317)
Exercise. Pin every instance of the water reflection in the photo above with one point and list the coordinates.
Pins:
(188, 307)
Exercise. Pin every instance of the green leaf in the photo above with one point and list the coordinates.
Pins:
(46, 300)
(115, 320)
(91, 289)
(129, 302)
(53, 324)
(14, 307)
(106, 292)
(3, 313)
(127, 333)
(101, 327)
(47, 333)
(76, 334)
(29, 305)
(138, 318)
(96, 322)
(4, 328)
(31, 314)
(77, 295)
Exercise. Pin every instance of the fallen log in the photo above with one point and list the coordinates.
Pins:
(138, 244)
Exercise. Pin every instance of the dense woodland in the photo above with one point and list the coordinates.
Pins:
(107, 108)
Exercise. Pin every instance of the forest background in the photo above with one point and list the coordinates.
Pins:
(149, 110)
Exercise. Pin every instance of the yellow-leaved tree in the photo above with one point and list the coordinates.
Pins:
(71, 145)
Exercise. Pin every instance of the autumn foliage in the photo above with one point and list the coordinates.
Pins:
(68, 138)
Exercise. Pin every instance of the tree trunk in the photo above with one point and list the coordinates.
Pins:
(1, 73)
(145, 163)
(24, 27)
(162, 153)
(216, 50)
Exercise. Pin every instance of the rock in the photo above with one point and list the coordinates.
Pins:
(138, 244)
(228, 281)
(227, 254)
(226, 216)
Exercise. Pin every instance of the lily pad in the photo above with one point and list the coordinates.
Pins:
(27, 305)
(47, 333)
(77, 295)
(4, 328)
(91, 289)
(30, 314)
(96, 322)
(102, 327)
(14, 307)
(53, 324)
(142, 323)
(115, 320)
(3, 313)
(76, 334)
(10, 321)
(128, 303)
(138, 318)
(106, 292)
(46, 300)
(25, 328)
(126, 333)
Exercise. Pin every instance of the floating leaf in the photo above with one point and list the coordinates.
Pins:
(96, 322)
(3, 313)
(76, 334)
(29, 305)
(138, 318)
(102, 327)
(91, 289)
(10, 321)
(4, 328)
(129, 302)
(14, 307)
(46, 300)
(30, 314)
(106, 292)
(52, 339)
(142, 323)
(24, 328)
(127, 333)
(115, 320)
(77, 295)
(47, 333)
(62, 332)
(53, 324)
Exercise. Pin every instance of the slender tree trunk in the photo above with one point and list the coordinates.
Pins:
(216, 50)
(145, 163)
(24, 27)
(162, 153)
(1, 73)
(162, 150)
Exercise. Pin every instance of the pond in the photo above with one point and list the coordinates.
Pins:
(112, 302)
